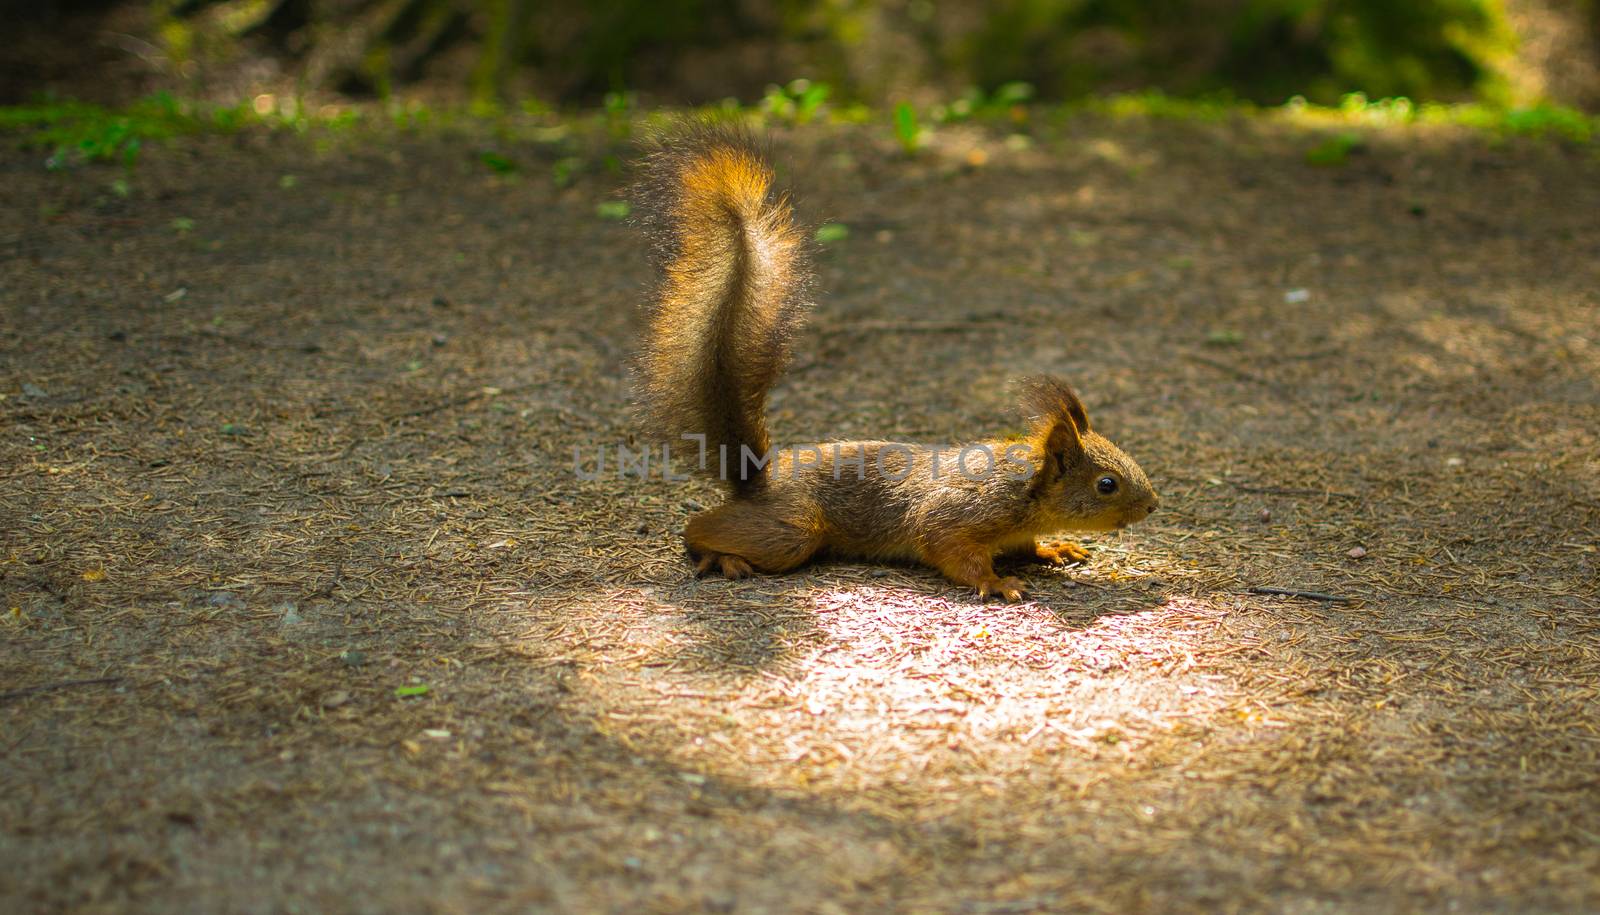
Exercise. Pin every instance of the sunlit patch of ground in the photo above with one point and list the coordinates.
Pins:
(892, 691)
(304, 607)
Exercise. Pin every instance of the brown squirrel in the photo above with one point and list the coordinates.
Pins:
(729, 298)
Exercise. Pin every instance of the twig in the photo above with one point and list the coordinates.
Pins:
(10, 694)
(18, 742)
(1281, 491)
(309, 347)
(326, 591)
(1275, 388)
(1235, 371)
(458, 402)
(933, 327)
(1308, 595)
(1008, 906)
(435, 408)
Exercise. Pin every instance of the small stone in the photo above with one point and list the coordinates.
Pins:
(692, 505)
(335, 699)
(642, 528)
(291, 615)
(33, 390)
(222, 599)
(353, 658)
(1357, 553)
(441, 339)
(1266, 515)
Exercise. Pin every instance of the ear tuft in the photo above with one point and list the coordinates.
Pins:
(1048, 399)
(1059, 421)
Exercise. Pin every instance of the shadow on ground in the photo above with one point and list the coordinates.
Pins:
(278, 449)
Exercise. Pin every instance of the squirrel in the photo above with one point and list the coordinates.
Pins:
(730, 294)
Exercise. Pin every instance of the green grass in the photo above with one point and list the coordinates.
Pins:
(77, 133)
(497, 163)
(832, 232)
(1335, 150)
(1156, 104)
(1538, 121)
(799, 102)
(906, 130)
(1356, 110)
(1005, 100)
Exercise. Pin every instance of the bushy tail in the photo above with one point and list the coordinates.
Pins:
(729, 297)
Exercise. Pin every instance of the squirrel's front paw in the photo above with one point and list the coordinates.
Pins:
(728, 565)
(1061, 553)
(1008, 588)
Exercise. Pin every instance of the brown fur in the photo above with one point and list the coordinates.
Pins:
(720, 321)
(729, 297)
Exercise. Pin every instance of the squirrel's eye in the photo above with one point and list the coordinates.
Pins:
(1106, 485)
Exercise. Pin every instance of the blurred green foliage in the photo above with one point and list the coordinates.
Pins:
(1264, 50)
(1334, 150)
(907, 132)
(699, 51)
(797, 102)
(78, 132)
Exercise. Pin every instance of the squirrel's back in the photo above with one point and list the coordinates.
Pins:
(728, 298)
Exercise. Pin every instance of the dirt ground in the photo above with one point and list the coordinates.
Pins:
(290, 427)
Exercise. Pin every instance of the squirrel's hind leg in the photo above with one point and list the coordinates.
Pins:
(727, 564)
(743, 536)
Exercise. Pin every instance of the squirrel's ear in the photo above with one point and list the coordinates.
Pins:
(1063, 445)
(1073, 407)
(1060, 415)
(1048, 398)
(1060, 422)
